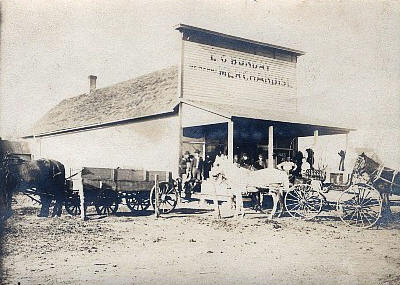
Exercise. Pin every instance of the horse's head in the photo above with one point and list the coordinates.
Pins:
(359, 165)
(217, 169)
(222, 167)
(365, 167)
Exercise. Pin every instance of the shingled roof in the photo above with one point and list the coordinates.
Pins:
(151, 94)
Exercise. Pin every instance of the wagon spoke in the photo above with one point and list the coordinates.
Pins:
(372, 216)
(303, 202)
(363, 209)
(295, 207)
(361, 218)
(373, 211)
(291, 201)
(367, 202)
(291, 198)
(312, 207)
(370, 203)
(353, 218)
(347, 213)
(366, 196)
(162, 207)
(295, 193)
(366, 217)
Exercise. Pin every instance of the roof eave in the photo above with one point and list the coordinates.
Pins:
(193, 104)
(339, 129)
(182, 27)
(99, 125)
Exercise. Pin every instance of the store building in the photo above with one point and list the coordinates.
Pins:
(226, 93)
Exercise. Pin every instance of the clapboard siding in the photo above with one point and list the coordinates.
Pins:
(221, 75)
(149, 145)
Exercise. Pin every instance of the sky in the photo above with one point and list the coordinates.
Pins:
(350, 72)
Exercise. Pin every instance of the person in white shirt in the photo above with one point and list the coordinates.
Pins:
(304, 166)
(197, 166)
(287, 166)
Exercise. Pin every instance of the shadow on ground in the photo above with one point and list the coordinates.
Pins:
(185, 212)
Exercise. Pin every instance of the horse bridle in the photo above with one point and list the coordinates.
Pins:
(374, 175)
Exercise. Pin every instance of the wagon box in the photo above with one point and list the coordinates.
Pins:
(130, 175)
(134, 185)
(162, 175)
(106, 188)
(107, 184)
(97, 174)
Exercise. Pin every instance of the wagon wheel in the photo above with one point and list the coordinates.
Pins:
(360, 206)
(73, 205)
(107, 202)
(138, 201)
(303, 202)
(168, 197)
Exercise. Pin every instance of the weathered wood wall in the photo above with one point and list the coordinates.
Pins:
(221, 75)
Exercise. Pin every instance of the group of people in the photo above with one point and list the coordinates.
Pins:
(246, 162)
(299, 164)
(195, 167)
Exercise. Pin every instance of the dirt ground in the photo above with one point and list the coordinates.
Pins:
(190, 246)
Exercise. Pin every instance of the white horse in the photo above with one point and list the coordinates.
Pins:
(242, 180)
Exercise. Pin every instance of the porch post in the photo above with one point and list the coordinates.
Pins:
(230, 140)
(180, 138)
(317, 152)
(315, 138)
(270, 146)
(180, 96)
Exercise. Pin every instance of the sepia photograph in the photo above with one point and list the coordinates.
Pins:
(199, 142)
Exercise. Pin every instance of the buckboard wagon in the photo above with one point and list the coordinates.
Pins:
(362, 200)
(107, 188)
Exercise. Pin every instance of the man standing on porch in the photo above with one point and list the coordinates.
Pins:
(197, 166)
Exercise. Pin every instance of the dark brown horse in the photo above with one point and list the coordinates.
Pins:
(42, 177)
(383, 179)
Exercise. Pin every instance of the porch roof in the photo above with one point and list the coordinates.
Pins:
(294, 124)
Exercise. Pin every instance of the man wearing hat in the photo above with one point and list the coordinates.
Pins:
(185, 165)
(245, 161)
(197, 164)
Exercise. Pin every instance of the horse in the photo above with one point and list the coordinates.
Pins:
(243, 180)
(43, 177)
(383, 179)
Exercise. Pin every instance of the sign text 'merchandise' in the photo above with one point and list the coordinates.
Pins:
(284, 82)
